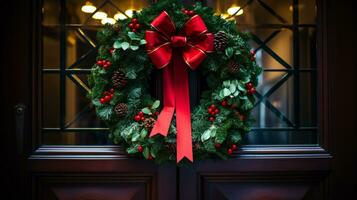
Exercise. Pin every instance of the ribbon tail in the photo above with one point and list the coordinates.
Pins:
(183, 113)
(162, 124)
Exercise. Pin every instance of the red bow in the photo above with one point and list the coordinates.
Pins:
(174, 53)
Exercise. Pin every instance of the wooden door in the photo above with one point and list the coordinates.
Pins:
(301, 146)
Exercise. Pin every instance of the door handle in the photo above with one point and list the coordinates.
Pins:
(20, 127)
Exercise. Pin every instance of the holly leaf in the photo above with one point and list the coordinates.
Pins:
(146, 152)
(117, 44)
(206, 135)
(229, 52)
(241, 86)
(213, 132)
(154, 150)
(156, 104)
(226, 92)
(143, 133)
(135, 137)
(232, 88)
(142, 42)
(226, 83)
(132, 149)
(134, 47)
(146, 111)
(131, 74)
(125, 45)
(132, 35)
(236, 93)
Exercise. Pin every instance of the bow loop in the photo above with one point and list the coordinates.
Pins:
(194, 38)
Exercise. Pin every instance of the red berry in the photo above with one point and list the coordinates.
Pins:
(217, 145)
(234, 147)
(150, 157)
(111, 50)
(105, 66)
(108, 63)
(111, 90)
(249, 85)
(100, 62)
(251, 91)
(107, 98)
(134, 20)
(111, 95)
(133, 30)
(211, 119)
(209, 110)
(142, 118)
(230, 151)
(131, 25)
(137, 118)
(141, 114)
(224, 103)
(102, 100)
(216, 111)
(183, 10)
(137, 26)
(186, 12)
(156, 113)
(140, 148)
(234, 105)
(213, 106)
(191, 12)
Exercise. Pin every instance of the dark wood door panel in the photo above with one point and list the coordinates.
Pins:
(93, 187)
(107, 179)
(255, 179)
(273, 187)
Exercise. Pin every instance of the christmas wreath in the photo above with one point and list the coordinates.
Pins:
(173, 40)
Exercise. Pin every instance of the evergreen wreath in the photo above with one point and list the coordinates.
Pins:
(120, 82)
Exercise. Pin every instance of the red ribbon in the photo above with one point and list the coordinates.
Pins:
(174, 54)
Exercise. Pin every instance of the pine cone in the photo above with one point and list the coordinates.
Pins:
(170, 147)
(116, 27)
(121, 109)
(233, 67)
(149, 123)
(119, 79)
(220, 41)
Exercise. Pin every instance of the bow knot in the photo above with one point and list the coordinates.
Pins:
(178, 41)
(173, 54)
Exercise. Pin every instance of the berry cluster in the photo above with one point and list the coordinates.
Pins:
(104, 63)
(250, 88)
(188, 12)
(229, 150)
(140, 116)
(134, 25)
(213, 111)
(107, 96)
(233, 106)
